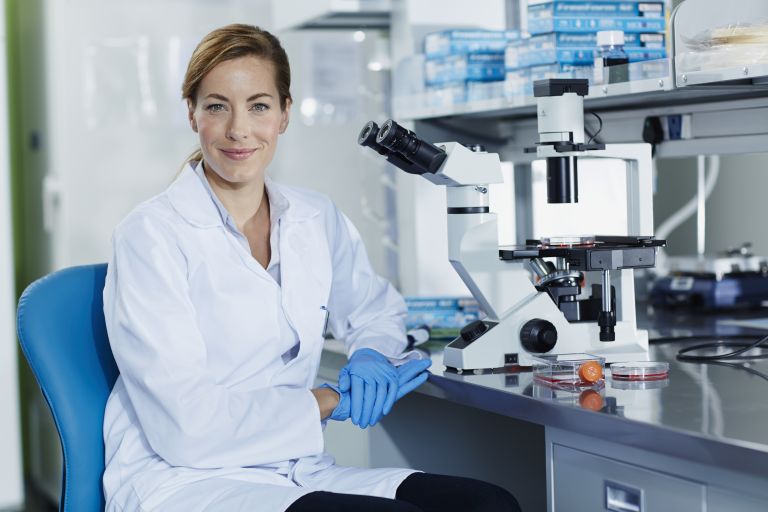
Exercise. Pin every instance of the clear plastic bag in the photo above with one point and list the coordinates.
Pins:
(728, 46)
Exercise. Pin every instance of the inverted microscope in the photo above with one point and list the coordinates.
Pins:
(557, 295)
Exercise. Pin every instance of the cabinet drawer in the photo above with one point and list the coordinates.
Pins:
(586, 482)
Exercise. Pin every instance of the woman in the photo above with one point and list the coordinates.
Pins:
(217, 297)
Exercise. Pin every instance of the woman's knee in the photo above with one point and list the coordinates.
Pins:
(453, 494)
(495, 499)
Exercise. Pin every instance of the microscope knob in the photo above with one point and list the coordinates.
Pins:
(538, 336)
(473, 330)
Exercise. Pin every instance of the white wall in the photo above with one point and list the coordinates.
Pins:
(11, 489)
(335, 94)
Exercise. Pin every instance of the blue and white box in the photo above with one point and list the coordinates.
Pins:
(513, 52)
(444, 315)
(555, 40)
(584, 56)
(518, 83)
(558, 8)
(459, 42)
(482, 67)
(581, 24)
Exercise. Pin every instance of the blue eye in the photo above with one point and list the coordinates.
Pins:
(215, 107)
(260, 107)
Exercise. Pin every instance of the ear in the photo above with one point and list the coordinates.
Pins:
(285, 115)
(191, 116)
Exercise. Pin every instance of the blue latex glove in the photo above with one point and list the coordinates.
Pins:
(372, 383)
(412, 375)
(341, 412)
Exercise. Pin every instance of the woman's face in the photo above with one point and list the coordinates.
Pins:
(238, 118)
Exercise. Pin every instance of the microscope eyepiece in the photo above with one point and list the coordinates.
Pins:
(368, 136)
(387, 135)
(423, 154)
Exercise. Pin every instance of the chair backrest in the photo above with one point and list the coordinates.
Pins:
(62, 334)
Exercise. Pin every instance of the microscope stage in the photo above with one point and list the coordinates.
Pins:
(605, 253)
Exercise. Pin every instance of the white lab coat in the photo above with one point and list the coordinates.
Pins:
(206, 415)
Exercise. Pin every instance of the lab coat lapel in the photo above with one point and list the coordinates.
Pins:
(191, 200)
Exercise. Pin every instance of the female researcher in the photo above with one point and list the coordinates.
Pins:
(217, 296)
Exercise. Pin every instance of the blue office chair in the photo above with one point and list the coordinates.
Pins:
(62, 334)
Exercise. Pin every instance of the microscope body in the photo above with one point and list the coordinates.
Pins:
(526, 316)
(521, 314)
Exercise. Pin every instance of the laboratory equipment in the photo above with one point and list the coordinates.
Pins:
(554, 315)
(735, 279)
(569, 370)
(640, 371)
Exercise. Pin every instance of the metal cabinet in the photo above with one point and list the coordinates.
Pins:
(585, 481)
(603, 474)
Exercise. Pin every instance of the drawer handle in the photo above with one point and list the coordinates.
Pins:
(620, 498)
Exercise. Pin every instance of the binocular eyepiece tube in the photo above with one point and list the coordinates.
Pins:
(402, 147)
(368, 136)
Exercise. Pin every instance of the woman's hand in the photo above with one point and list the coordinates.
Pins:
(372, 383)
(412, 375)
(327, 400)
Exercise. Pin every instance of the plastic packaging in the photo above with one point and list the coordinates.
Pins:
(583, 24)
(611, 61)
(600, 8)
(725, 47)
(569, 370)
(470, 67)
(459, 42)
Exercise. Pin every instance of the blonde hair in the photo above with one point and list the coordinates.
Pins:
(232, 42)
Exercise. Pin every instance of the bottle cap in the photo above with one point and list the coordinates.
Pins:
(610, 37)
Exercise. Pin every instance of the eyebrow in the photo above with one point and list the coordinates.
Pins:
(250, 98)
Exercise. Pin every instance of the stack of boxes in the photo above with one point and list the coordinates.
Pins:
(473, 65)
(465, 65)
(563, 38)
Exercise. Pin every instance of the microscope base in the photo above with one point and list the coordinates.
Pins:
(501, 345)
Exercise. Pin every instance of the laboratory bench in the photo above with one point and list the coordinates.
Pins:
(696, 441)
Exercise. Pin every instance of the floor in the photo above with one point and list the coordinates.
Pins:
(36, 502)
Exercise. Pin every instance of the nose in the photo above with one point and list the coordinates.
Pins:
(237, 128)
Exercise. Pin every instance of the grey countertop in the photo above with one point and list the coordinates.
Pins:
(711, 414)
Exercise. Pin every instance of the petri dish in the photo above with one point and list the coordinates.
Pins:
(568, 241)
(639, 385)
(640, 371)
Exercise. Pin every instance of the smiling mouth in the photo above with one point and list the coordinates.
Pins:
(238, 154)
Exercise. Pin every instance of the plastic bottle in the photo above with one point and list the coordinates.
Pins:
(611, 60)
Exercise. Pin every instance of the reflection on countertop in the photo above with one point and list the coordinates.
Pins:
(723, 401)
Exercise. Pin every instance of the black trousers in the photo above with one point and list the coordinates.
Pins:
(420, 492)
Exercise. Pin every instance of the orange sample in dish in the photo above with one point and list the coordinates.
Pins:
(590, 371)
